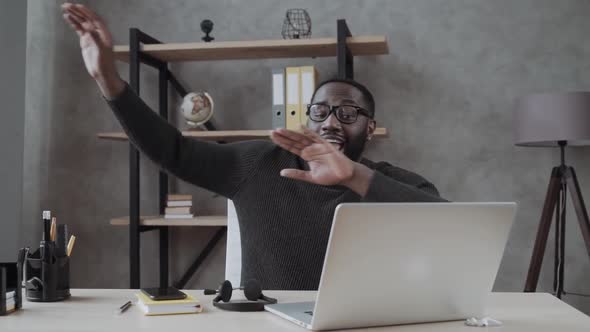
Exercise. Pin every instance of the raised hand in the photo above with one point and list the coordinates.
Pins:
(327, 165)
(96, 44)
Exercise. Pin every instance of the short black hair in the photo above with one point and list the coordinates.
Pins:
(363, 89)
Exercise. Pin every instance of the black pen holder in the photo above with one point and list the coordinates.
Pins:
(47, 276)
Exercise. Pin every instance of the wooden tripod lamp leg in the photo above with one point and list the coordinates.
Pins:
(543, 231)
(578, 202)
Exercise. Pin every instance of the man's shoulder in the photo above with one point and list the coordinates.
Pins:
(395, 172)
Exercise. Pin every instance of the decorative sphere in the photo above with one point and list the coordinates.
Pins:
(197, 108)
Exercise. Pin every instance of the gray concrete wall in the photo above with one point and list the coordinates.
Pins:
(446, 93)
(13, 36)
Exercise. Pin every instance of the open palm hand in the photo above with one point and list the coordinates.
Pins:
(327, 165)
(96, 42)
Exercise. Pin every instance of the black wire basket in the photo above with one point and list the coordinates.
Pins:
(297, 24)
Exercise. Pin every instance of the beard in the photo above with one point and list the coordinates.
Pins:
(355, 146)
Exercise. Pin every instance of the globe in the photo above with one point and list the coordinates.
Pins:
(197, 108)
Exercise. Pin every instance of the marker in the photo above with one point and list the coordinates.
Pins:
(46, 225)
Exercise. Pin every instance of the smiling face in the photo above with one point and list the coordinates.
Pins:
(348, 138)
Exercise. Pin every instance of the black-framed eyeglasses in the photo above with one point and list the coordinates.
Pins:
(344, 113)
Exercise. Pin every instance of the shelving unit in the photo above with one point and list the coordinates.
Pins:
(144, 49)
(161, 221)
(258, 49)
(225, 135)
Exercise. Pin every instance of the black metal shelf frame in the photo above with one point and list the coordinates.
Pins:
(136, 58)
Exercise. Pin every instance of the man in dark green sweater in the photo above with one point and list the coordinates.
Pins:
(285, 191)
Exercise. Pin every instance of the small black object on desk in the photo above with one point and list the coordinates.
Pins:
(47, 274)
(124, 307)
(252, 290)
(47, 270)
(164, 293)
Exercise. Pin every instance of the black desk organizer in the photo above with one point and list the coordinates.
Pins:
(49, 280)
(10, 279)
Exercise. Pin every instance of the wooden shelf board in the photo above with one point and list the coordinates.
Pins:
(257, 49)
(225, 135)
(160, 221)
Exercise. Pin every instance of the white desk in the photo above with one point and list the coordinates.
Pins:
(93, 310)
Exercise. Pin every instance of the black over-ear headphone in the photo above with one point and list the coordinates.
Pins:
(252, 291)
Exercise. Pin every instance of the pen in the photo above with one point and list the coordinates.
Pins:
(61, 240)
(124, 307)
(46, 246)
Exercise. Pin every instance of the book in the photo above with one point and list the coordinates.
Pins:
(10, 295)
(178, 216)
(308, 81)
(178, 210)
(10, 305)
(179, 203)
(177, 197)
(278, 98)
(189, 305)
(293, 117)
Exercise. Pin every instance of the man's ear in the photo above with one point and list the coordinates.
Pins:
(371, 129)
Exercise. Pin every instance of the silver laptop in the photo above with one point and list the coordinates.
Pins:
(401, 263)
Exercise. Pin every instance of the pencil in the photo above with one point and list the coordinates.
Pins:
(71, 244)
(53, 229)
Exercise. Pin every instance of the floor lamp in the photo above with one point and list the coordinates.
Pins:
(555, 120)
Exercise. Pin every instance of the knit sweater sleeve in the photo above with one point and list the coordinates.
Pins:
(220, 168)
(393, 184)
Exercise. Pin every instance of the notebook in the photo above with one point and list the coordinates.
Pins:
(189, 305)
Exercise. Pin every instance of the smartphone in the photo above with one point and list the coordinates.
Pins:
(167, 293)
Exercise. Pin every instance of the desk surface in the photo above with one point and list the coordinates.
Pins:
(94, 310)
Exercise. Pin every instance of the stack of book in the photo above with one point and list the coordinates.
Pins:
(10, 285)
(10, 301)
(188, 305)
(179, 207)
